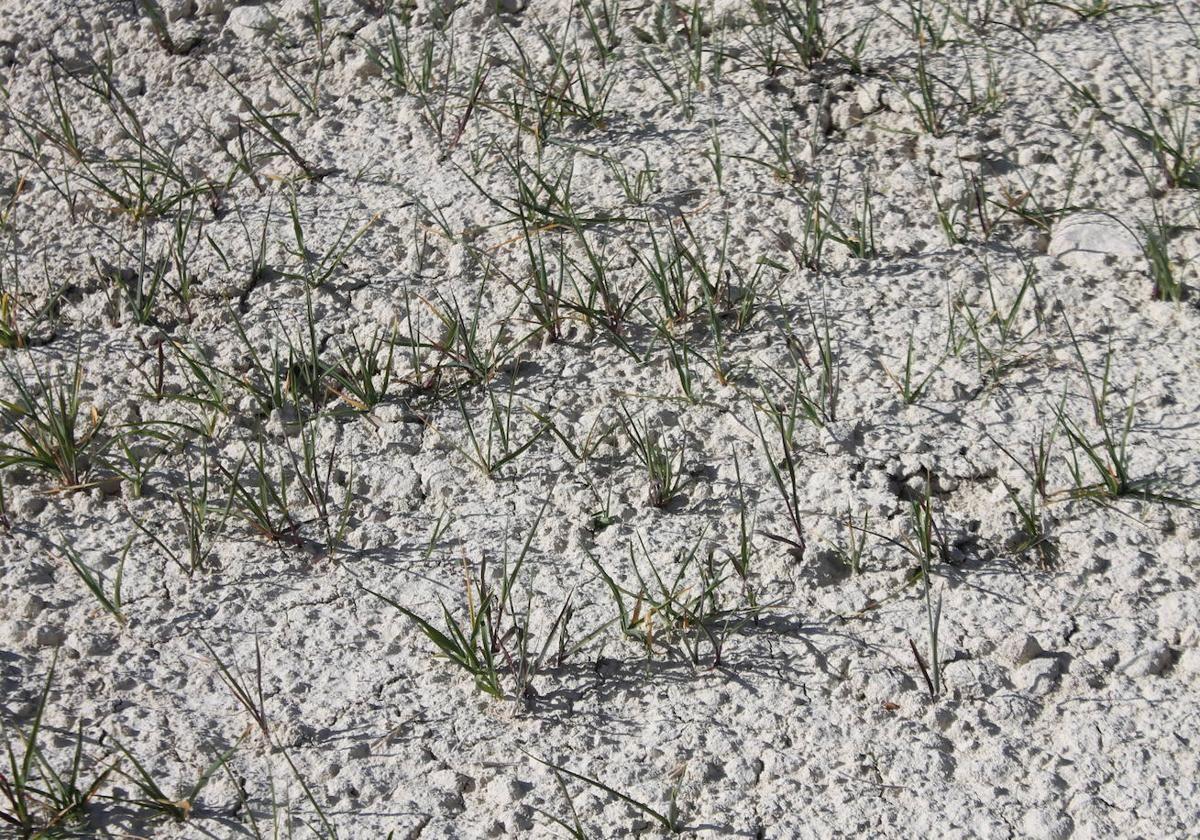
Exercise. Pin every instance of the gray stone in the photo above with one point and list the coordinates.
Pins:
(29, 605)
(50, 635)
(1020, 649)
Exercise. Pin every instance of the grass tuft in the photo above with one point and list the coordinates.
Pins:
(55, 436)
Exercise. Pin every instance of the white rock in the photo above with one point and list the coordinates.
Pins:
(177, 9)
(251, 22)
(223, 126)
(294, 11)
(1039, 677)
(868, 97)
(1049, 823)
(1151, 660)
(210, 8)
(1189, 663)
(434, 11)
(886, 685)
(1088, 239)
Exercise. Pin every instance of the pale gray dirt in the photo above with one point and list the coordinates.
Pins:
(1069, 706)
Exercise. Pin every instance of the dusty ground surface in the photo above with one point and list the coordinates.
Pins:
(211, 205)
